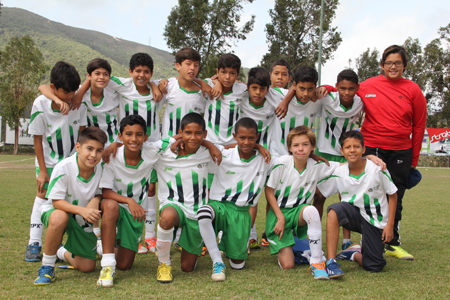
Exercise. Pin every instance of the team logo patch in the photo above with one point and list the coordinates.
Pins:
(231, 172)
(168, 169)
(309, 183)
(75, 122)
(376, 188)
(268, 117)
(311, 115)
(69, 195)
(371, 95)
(260, 173)
(399, 161)
(118, 180)
(203, 165)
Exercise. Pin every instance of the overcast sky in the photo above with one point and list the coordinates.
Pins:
(363, 24)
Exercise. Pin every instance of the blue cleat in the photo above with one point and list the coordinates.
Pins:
(46, 276)
(346, 255)
(333, 269)
(33, 252)
(319, 271)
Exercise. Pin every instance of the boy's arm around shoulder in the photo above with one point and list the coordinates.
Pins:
(282, 108)
(215, 153)
(47, 91)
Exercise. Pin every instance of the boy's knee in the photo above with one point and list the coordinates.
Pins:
(110, 206)
(286, 265)
(58, 219)
(86, 268)
(188, 266)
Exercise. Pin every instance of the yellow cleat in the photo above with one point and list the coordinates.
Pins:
(398, 252)
(106, 278)
(164, 273)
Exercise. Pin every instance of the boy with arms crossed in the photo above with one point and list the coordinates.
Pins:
(55, 136)
(364, 207)
(73, 202)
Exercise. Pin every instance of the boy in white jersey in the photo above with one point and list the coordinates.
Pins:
(235, 190)
(289, 191)
(73, 204)
(182, 190)
(55, 136)
(364, 207)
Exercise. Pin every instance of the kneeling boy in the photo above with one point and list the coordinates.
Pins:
(72, 206)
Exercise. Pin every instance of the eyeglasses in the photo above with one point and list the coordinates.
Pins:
(390, 63)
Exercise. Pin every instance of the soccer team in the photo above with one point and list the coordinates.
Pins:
(100, 151)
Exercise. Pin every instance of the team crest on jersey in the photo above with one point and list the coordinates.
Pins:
(260, 173)
(75, 122)
(370, 95)
(238, 100)
(203, 165)
(268, 117)
(376, 188)
(196, 109)
(311, 115)
(309, 183)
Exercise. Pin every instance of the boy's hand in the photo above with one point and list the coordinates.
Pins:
(388, 234)
(282, 109)
(112, 148)
(63, 106)
(163, 85)
(90, 214)
(42, 179)
(75, 103)
(136, 210)
(279, 227)
(174, 146)
(264, 152)
(319, 158)
(216, 91)
(157, 94)
(216, 155)
(321, 92)
(376, 160)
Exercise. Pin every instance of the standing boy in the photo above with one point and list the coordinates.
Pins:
(55, 136)
(280, 74)
(73, 204)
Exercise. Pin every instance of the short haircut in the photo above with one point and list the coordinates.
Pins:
(187, 53)
(92, 133)
(259, 75)
(349, 75)
(133, 120)
(281, 62)
(356, 134)
(193, 118)
(246, 123)
(306, 74)
(141, 59)
(300, 130)
(65, 76)
(229, 61)
(98, 63)
(395, 49)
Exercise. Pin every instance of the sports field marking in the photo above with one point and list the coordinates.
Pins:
(1, 162)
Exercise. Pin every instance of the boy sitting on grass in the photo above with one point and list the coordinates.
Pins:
(364, 207)
(72, 206)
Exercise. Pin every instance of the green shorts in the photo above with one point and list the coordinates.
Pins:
(235, 223)
(154, 177)
(291, 217)
(129, 231)
(49, 171)
(79, 242)
(190, 238)
(331, 157)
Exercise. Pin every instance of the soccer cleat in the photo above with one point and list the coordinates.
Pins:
(177, 246)
(346, 245)
(203, 252)
(150, 244)
(264, 241)
(218, 272)
(346, 255)
(33, 252)
(398, 252)
(46, 275)
(319, 271)
(106, 278)
(164, 273)
(142, 249)
(333, 269)
(354, 247)
(253, 244)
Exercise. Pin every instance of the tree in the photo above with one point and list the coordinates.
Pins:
(21, 69)
(210, 27)
(294, 32)
(415, 70)
(368, 64)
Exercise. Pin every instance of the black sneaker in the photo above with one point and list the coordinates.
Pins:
(33, 252)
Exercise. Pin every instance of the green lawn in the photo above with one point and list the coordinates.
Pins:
(425, 234)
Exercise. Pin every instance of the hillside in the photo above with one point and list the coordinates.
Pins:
(78, 46)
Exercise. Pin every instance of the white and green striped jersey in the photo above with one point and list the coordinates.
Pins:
(66, 184)
(221, 114)
(238, 180)
(293, 188)
(183, 180)
(59, 132)
(133, 181)
(179, 102)
(103, 114)
(336, 119)
(133, 103)
(367, 191)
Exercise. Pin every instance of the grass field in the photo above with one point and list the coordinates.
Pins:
(425, 234)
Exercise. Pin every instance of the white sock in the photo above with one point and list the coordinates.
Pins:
(237, 266)
(345, 241)
(219, 235)
(163, 245)
(109, 260)
(60, 253)
(205, 216)
(150, 220)
(253, 234)
(49, 260)
(312, 218)
(96, 231)
(36, 226)
(177, 236)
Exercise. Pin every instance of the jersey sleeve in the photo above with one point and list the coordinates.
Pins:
(275, 175)
(387, 182)
(329, 185)
(419, 120)
(212, 167)
(158, 147)
(57, 188)
(119, 84)
(274, 97)
(108, 176)
(37, 120)
(325, 170)
(83, 115)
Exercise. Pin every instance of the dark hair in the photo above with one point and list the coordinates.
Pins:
(305, 74)
(259, 75)
(65, 76)
(281, 62)
(98, 63)
(301, 130)
(395, 49)
(92, 133)
(351, 134)
(187, 53)
(349, 75)
(193, 118)
(246, 123)
(141, 59)
(133, 120)
(229, 61)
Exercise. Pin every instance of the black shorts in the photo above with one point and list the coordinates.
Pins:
(372, 247)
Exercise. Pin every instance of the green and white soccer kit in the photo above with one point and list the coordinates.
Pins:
(221, 114)
(367, 191)
(179, 102)
(133, 103)
(336, 119)
(59, 132)
(66, 184)
(103, 114)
